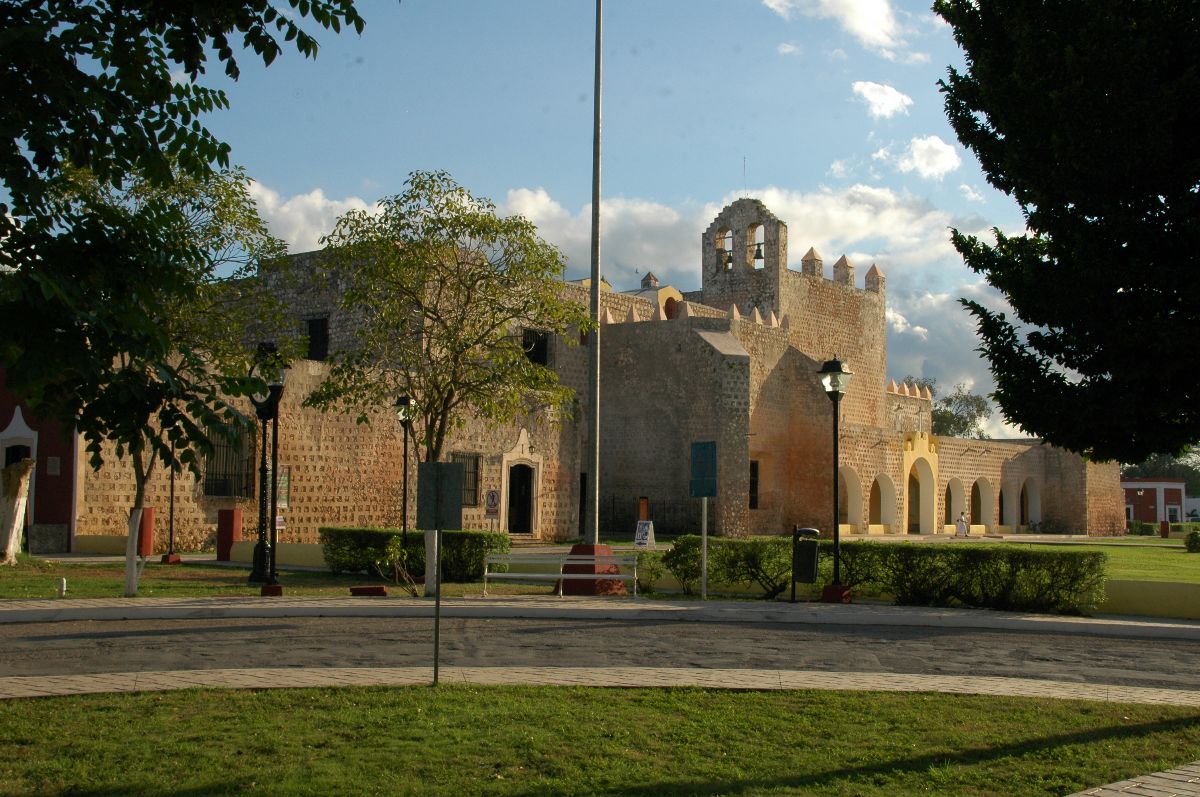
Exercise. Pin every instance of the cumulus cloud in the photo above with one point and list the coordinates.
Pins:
(872, 22)
(636, 236)
(302, 219)
(787, 48)
(929, 157)
(883, 101)
(970, 194)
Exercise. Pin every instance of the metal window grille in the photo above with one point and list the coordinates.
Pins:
(470, 463)
(229, 467)
(754, 484)
(537, 346)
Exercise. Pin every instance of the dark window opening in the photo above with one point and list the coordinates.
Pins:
(318, 338)
(754, 484)
(229, 467)
(470, 463)
(537, 346)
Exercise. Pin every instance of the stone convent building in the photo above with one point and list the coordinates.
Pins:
(735, 363)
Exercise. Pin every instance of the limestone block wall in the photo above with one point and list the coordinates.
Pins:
(828, 318)
(665, 385)
(1105, 499)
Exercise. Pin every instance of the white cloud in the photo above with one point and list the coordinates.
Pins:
(840, 169)
(787, 48)
(930, 157)
(872, 22)
(882, 154)
(901, 325)
(970, 194)
(302, 219)
(883, 101)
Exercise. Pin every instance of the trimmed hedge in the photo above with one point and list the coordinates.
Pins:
(1140, 528)
(981, 576)
(357, 550)
(1192, 542)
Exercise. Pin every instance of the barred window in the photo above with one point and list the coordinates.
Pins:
(229, 467)
(470, 463)
(754, 484)
(537, 346)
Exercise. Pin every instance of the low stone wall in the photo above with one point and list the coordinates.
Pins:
(1151, 599)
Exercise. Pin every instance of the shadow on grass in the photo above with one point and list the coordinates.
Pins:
(819, 782)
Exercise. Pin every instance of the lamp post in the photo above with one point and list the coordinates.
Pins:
(835, 378)
(402, 413)
(266, 408)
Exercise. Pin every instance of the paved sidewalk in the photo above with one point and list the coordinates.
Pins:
(1181, 782)
(551, 607)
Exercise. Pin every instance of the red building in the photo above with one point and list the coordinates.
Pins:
(1153, 500)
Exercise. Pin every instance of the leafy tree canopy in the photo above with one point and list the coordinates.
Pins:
(961, 414)
(1186, 467)
(441, 290)
(1085, 112)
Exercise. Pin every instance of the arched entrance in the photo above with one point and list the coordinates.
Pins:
(883, 504)
(921, 509)
(983, 507)
(850, 502)
(1031, 503)
(953, 503)
(520, 499)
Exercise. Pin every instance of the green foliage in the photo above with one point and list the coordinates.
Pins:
(1192, 542)
(961, 414)
(650, 570)
(1167, 466)
(360, 550)
(990, 576)
(356, 550)
(683, 562)
(1141, 528)
(1099, 153)
(445, 289)
(765, 561)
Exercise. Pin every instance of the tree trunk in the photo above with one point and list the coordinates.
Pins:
(141, 472)
(15, 493)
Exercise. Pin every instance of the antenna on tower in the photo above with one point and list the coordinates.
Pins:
(745, 190)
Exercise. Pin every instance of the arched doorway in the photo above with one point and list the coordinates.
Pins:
(520, 499)
(954, 503)
(983, 508)
(850, 503)
(1031, 503)
(883, 504)
(921, 510)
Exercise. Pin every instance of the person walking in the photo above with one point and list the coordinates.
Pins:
(961, 529)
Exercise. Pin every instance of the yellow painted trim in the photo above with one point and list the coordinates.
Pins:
(99, 544)
(1151, 599)
(290, 554)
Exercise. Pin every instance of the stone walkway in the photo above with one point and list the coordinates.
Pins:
(1183, 782)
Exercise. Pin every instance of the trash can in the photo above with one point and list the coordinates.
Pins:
(804, 555)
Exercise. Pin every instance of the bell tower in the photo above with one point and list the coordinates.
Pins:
(745, 255)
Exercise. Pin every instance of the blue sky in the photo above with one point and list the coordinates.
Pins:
(827, 110)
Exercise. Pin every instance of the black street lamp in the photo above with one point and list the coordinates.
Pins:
(835, 378)
(266, 408)
(402, 414)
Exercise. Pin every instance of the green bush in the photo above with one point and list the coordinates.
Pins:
(360, 550)
(1182, 527)
(650, 569)
(765, 561)
(357, 550)
(1192, 542)
(1141, 528)
(683, 562)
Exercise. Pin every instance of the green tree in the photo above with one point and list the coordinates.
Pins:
(1186, 467)
(443, 289)
(961, 414)
(91, 283)
(1085, 112)
(164, 405)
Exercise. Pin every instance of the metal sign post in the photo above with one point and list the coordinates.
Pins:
(704, 486)
(439, 506)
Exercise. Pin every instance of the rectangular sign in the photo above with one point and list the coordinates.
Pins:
(491, 504)
(439, 495)
(644, 536)
(704, 470)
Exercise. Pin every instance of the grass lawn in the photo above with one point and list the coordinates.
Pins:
(1158, 563)
(462, 740)
(36, 579)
